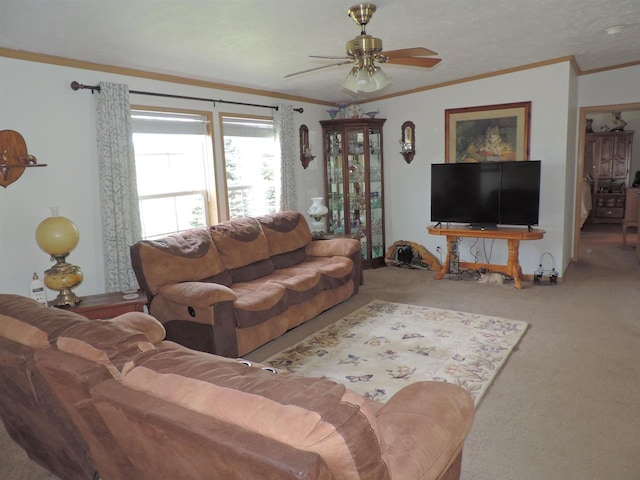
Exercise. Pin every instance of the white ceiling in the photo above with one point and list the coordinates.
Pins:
(255, 43)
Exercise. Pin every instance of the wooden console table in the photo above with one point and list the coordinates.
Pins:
(510, 234)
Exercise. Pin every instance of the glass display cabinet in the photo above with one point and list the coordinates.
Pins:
(354, 183)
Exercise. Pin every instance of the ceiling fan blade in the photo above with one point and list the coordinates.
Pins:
(409, 52)
(318, 68)
(415, 61)
(341, 57)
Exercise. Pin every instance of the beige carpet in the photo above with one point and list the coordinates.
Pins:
(384, 346)
(565, 406)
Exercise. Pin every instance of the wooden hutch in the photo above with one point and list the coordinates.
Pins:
(607, 159)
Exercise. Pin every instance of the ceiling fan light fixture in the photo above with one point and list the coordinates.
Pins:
(363, 80)
(380, 78)
(366, 78)
(359, 80)
(350, 82)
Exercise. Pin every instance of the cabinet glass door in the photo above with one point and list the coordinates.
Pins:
(355, 182)
(375, 194)
(356, 186)
(335, 217)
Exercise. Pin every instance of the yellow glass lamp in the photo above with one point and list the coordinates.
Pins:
(58, 236)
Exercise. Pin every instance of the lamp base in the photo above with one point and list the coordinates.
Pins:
(63, 277)
(65, 298)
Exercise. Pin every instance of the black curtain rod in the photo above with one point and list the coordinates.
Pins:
(96, 88)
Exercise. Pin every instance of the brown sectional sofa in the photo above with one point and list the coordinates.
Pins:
(237, 285)
(123, 402)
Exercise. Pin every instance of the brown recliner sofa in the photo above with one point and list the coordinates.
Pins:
(237, 285)
(147, 408)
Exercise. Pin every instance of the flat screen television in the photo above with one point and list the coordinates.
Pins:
(486, 194)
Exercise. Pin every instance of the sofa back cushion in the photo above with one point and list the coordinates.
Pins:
(189, 256)
(310, 414)
(104, 342)
(287, 235)
(23, 333)
(243, 248)
(49, 320)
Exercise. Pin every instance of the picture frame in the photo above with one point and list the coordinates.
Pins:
(488, 133)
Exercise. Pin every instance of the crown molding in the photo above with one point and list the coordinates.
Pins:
(133, 72)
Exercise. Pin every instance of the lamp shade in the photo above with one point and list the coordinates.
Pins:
(57, 235)
(381, 79)
(350, 82)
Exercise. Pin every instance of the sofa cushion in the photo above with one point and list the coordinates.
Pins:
(311, 414)
(258, 269)
(302, 284)
(336, 271)
(22, 333)
(180, 257)
(258, 301)
(240, 243)
(289, 259)
(285, 232)
(298, 279)
(343, 247)
(79, 348)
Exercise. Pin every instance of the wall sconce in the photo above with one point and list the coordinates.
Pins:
(305, 148)
(408, 141)
(14, 157)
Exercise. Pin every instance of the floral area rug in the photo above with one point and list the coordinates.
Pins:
(383, 346)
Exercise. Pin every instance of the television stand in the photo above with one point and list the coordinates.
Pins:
(510, 234)
(482, 226)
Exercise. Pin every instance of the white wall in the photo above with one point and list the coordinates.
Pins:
(614, 87)
(58, 125)
(407, 186)
(611, 87)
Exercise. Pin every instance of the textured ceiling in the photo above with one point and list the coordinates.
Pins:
(255, 43)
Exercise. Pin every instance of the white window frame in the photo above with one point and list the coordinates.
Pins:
(228, 189)
(211, 204)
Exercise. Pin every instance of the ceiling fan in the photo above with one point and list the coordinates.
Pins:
(365, 52)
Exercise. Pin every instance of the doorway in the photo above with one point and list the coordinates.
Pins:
(630, 112)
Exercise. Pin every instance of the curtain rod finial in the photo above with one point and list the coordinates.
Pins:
(79, 86)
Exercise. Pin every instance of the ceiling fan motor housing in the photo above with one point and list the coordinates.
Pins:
(364, 45)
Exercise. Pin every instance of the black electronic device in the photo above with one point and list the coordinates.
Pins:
(486, 194)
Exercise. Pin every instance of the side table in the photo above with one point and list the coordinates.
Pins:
(108, 305)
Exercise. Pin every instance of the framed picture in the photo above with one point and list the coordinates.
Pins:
(487, 133)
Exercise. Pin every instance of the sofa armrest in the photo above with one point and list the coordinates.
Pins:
(438, 413)
(344, 247)
(197, 294)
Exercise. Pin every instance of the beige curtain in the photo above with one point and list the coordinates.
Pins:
(119, 196)
(286, 136)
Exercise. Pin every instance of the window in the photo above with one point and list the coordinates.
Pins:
(251, 166)
(174, 160)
